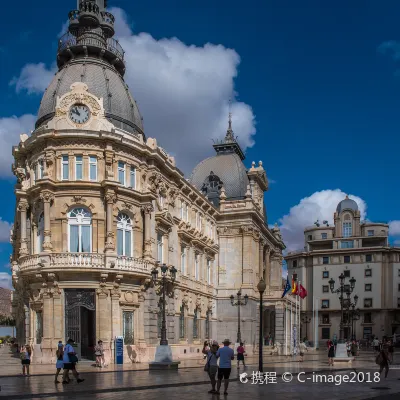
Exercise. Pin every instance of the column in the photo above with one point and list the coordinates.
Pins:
(267, 274)
(103, 316)
(109, 244)
(22, 208)
(48, 327)
(47, 197)
(261, 259)
(147, 209)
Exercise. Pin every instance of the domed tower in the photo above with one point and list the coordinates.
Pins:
(347, 219)
(89, 54)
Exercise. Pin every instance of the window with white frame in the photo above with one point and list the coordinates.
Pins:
(133, 177)
(183, 259)
(196, 267)
(40, 234)
(65, 168)
(40, 169)
(347, 229)
(78, 168)
(79, 231)
(160, 243)
(121, 172)
(124, 235)
(200, 222)
(93, 168)
(209, 272)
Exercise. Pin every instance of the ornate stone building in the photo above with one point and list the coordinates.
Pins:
(99, 204)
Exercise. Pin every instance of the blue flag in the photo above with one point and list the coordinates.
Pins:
(287, 287)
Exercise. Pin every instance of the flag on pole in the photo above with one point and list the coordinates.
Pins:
(287, 287)
(294, 286)
(302, 292)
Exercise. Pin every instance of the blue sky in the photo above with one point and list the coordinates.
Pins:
(325, 95)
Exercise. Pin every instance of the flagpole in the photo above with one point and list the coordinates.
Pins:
(286, 324)
(291, 327)
(298, 295)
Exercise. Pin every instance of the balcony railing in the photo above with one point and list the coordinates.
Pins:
(82, 260)
(132, 264)
(68, 40)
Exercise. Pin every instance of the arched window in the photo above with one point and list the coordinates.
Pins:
(124, 235)
(182, 323)
(80, 231)
(347, 226)
(40, 234)
(195, 324)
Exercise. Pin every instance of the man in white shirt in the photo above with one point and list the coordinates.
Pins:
(68, 365)
(225, 355)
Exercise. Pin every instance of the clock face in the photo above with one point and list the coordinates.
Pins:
(79, 113)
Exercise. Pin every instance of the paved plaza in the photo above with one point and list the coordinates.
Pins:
(190, 381)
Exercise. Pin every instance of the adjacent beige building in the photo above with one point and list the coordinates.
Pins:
(99, 204)
(360, 250)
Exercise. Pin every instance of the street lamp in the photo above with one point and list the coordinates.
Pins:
(261, 288)
(162, 282)
(354, 315)
(341, 290)
(239, 303)
(306, 320)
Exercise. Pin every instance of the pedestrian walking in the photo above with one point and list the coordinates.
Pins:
(353, 348)
(331, 352)
(59, 362)
(206, 349)
(212, 364)
(225, 355)
(240, 354)
(303, 348)
(375, 344)
(25, 355)
(382, 361)
(70, 359)
(99, 353)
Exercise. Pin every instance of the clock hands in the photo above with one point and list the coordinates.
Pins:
(75, 111)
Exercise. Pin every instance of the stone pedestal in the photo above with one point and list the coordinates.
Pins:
(341, 353)
(163, 359)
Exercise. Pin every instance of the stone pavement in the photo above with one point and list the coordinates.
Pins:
(192, 382)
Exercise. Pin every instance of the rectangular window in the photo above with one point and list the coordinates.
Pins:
(128, 331)
(325, 289)
(325, 319)
(347, 229)
(65, 168)
(367, 303)
(367, 332)
(196, 267)
(368, 258)
(324, 236)
(346, 259)
(368, 287)
(348, 244)
(371, 233)
(121, 172)
(346, 273)
(326, 333)
(325, 304)
(78, 168)
(368, 272)
(209, 272)
(40, 169)
(183, 259)
(93, 168)
(294, 263)
(133, 177)
(160, 243)
(368, 318)
(309, 237)
(398, 288)
(325, 274)
(325, 260)
(398, 272)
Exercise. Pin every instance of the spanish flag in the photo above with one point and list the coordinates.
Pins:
(294, 286)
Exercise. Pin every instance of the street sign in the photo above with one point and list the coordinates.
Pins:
(119, 350)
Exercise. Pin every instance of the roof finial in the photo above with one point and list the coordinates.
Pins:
(229, 133)
(347, 196)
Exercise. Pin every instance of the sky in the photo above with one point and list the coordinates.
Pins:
(315, 89)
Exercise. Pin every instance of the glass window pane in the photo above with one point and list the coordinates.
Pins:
(120, 242)
(74, 239)
(85, 238)
(65, 171)
(133, 178)
(121, 177)
(93, 159)
(79, 174)
(128, 327)
(128, 246)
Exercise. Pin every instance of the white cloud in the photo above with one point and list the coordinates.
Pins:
(5, 231)
(34, 78)
(182, 92)
(10, 129)
(5, 280)
(394, 228)
(319, 206)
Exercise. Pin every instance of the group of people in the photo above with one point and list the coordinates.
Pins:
(222, 371)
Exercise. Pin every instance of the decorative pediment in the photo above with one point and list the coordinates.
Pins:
(165, 221)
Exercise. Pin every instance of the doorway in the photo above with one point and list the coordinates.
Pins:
(80, 320)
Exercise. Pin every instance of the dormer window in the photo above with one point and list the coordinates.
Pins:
(347, 227)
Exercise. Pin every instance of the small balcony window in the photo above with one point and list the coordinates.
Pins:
(325, 289)
(368, 287)
(324, 236)
(367, 303)
(346, 259)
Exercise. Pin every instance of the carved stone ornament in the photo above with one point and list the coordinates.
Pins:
(23, 206)
(78, 199)
(155, 181)
(46, 196)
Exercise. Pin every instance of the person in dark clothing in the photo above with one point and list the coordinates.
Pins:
(384, 363)
(390, 352)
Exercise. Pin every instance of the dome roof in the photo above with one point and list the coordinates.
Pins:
(346, 204)
(229, 168)
(104, 82)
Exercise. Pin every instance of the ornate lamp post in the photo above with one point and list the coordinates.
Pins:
(162, 282)
(354, 314)
(261, 288)
(306, 320)
(341, 291)
(239, 302)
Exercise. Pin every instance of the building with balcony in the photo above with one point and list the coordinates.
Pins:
(356, 249)
(99, 205)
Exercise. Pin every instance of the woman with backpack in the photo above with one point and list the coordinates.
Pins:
(59, 362)
(26, 353)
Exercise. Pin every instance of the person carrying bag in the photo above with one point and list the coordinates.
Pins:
(212, 365)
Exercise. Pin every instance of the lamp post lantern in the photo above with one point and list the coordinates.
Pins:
(239, 302)
(261, 288)
(163, 281)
